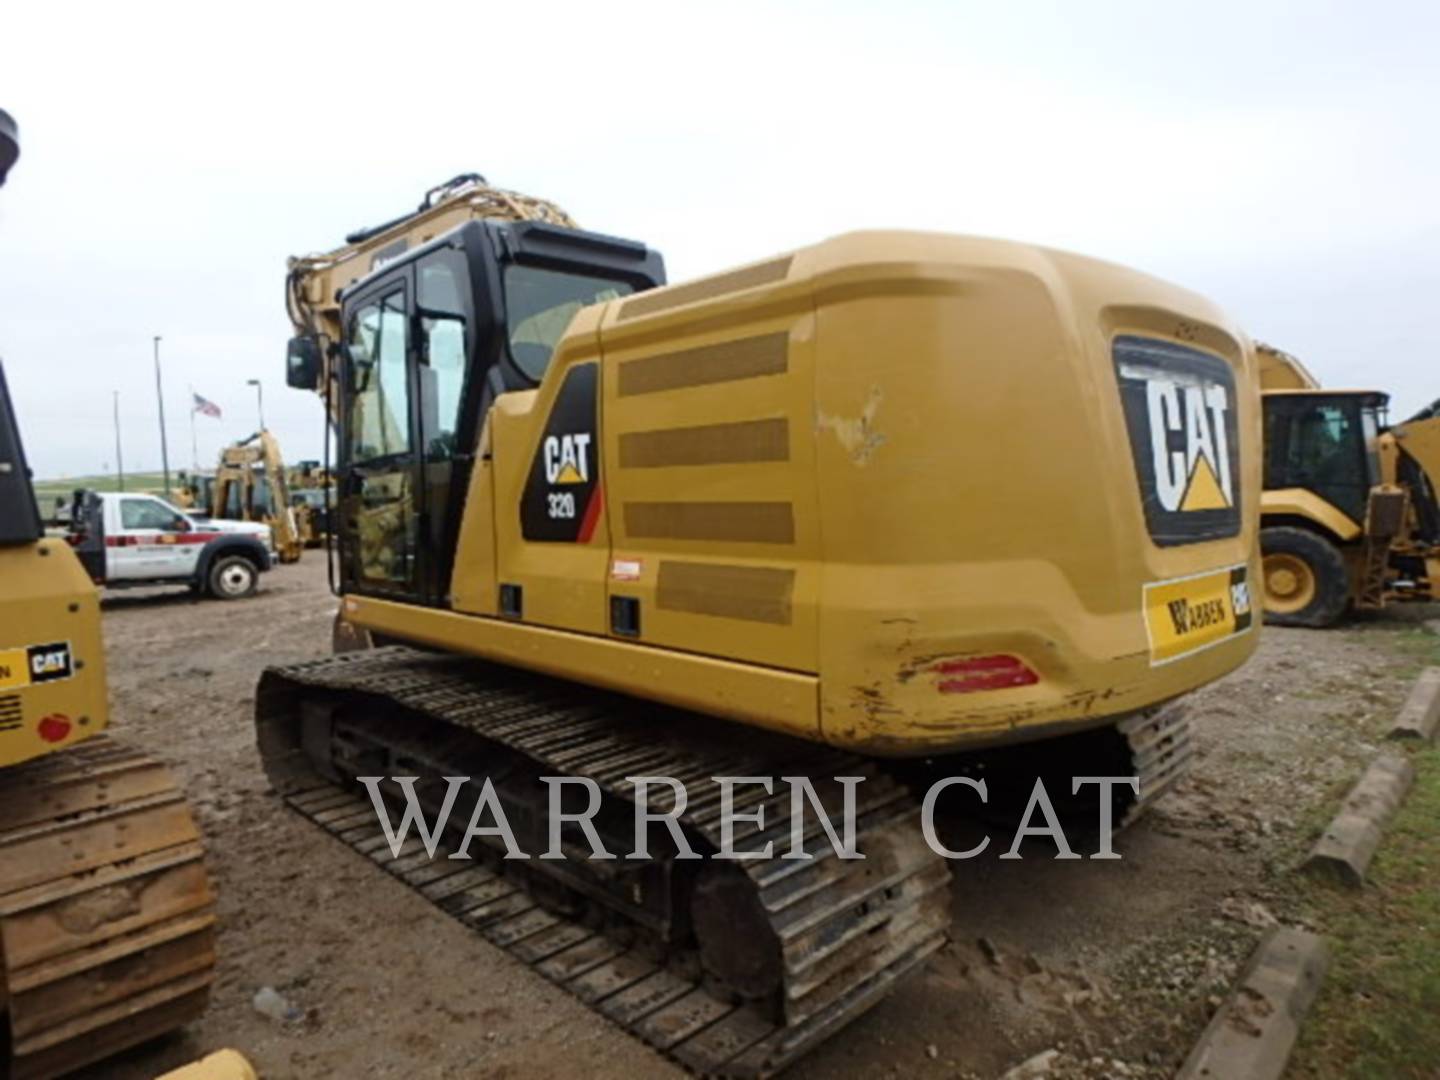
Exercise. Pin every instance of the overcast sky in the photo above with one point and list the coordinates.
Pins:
(1279, 157)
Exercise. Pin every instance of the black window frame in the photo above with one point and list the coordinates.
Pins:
(1280, 412)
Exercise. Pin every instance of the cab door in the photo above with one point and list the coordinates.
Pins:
(410, 426)
(379, 526)
(145, 546)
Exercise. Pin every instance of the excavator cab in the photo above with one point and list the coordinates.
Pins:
(431, 339)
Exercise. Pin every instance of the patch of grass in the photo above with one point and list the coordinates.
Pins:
(1377, 1012)
(47, 491)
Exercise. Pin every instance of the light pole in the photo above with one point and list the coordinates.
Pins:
(259, 400)
(160, 400)
(119, 461)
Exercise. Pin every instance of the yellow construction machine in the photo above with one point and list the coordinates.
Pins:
(889, 500)
(311, 489)
(250, 485)
(1349, 514)
(106, 912)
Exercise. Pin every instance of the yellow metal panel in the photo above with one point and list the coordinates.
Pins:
(221, 1065)
(563, 583)
(959, 483)
(52, 658)
(977, 488)
(738, 375)
(1300, 502)
(722, 522)
(473, 585)
(732, 281)
(784, 701)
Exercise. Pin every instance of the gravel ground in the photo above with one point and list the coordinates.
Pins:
(1089, 968)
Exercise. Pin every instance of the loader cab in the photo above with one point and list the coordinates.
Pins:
(430, 339)
(1326, 443)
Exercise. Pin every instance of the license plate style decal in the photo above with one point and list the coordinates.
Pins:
(1185, 615)
(35, 664)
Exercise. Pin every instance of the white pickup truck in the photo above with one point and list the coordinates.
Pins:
(127, 540)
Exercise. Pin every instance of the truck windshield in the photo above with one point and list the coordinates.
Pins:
(539, 305)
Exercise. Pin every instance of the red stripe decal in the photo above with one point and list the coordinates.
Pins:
(164, 539)
(592, 515)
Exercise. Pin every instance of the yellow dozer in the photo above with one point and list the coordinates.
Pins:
(1349, 513)
(887, 502)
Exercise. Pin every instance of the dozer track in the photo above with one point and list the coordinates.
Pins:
(106, 911)
(732, 968)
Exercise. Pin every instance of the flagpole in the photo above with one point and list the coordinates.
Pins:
(194, 446)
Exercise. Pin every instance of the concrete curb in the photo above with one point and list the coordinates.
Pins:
(1420, 714)
(1251, 1035)
(1345, 851)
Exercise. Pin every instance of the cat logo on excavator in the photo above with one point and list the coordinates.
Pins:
(567, 459)
(1180, 413)
(1197, 476)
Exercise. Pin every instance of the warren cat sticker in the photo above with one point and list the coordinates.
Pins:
(562, 495)
(35, 664)
(1180, 414)
(1192, 613)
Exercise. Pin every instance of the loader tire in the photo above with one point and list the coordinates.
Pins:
(232, 577)
(1306, 582)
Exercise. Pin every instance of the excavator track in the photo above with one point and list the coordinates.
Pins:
(106, 912)
(731, 968)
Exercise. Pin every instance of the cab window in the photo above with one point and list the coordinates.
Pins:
(380, 402)
(147, 514)
(442, 284)
(539, 305)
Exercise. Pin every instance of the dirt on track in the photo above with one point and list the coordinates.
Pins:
(1104, 968)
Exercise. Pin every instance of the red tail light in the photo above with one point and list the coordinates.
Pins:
(53, 728)
(973, 673)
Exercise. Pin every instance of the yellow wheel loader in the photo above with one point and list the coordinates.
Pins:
(891, 503)
(1349, 513)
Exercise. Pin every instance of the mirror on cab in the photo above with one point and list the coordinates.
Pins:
(302, 363)
(182, 525)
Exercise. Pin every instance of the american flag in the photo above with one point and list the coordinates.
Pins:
(206, 408)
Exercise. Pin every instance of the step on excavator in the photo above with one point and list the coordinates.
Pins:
(893, 501)
(1349, 515)
(106, 912)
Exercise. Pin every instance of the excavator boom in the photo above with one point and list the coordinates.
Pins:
(314, 282)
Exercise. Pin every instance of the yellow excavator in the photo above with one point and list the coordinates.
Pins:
(106, 912)
(250, 484)
(889, 504)
(1349, 514)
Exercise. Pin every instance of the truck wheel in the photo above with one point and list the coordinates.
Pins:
(232, 577)
(1306, 582)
